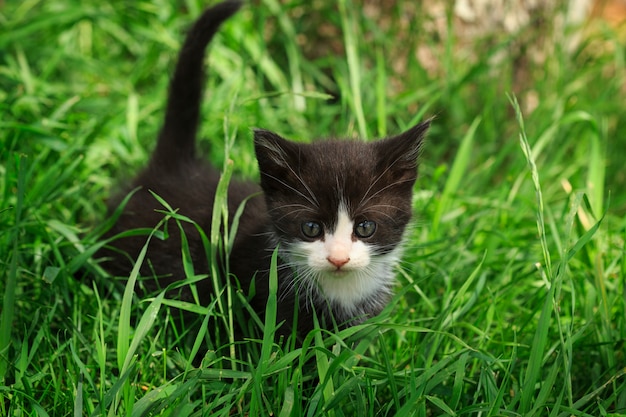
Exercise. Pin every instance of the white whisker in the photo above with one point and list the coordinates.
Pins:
(393, 184)
(312, 201)
(304, 184)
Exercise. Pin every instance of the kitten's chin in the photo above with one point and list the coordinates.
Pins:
(339, 273)
(364, 280)
(349, 288)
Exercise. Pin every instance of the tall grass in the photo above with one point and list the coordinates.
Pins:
(510, 296)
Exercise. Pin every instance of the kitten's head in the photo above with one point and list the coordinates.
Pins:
(339, 210)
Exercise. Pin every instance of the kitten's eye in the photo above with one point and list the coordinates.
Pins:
(365, 229)
(311, 229)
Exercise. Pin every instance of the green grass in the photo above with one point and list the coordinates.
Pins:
(511, 297)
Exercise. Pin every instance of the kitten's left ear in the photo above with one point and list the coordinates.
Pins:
(273, 150)
(401, 151)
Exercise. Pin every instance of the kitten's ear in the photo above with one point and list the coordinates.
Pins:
(276, 158)
(272, 150)
(402, 151)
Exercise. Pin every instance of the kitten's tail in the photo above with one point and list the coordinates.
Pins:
(176, 142)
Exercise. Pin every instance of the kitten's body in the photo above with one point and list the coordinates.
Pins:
(337, 209)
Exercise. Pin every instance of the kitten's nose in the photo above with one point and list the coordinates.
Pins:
(338, 262)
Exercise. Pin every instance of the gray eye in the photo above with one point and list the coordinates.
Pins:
(311, 230)
(365, 229)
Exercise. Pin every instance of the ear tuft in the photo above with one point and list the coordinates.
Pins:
(269, 148)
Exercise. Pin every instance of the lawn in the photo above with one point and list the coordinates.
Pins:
(511, 294)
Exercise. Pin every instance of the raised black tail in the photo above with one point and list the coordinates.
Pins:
(176, 142)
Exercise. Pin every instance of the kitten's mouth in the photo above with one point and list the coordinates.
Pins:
(339, 272)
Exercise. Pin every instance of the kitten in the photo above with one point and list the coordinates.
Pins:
(336, 209)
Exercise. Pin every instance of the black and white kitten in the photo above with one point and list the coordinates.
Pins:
(336, 209)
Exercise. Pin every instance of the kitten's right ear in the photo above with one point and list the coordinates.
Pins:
(402, 151)
(272, 150)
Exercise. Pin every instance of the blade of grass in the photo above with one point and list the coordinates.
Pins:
(381, 99)
(326, 388)
(459, 376)
(111, 396)
(535, 364)
(125, 345)
(123, 337)
(100, 343)
(217, 244)
(534, 172)
(269, 329)
(78, 401)
(458, 305)
(392, 381)
(293, 55)
(350, 38)
(145, 325)
(8, 299)
(187, 261)
(457, 172)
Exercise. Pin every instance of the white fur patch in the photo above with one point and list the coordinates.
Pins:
(342, 268)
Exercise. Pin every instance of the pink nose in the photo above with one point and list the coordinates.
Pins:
(338, 262)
